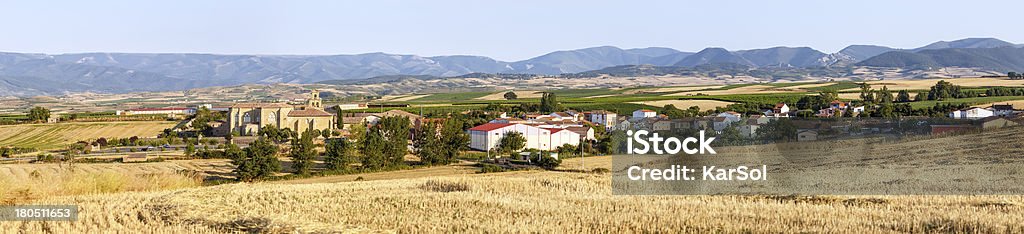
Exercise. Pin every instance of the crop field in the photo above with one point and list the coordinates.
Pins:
(52, 136)
(551, 202)
(683, 104)
(925, 84)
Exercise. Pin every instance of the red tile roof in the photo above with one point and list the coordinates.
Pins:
(308, 113)
(490, 126)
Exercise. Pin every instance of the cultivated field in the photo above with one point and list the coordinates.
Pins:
(52, 136)
(519, 94)
(925, 84)
(683, 104)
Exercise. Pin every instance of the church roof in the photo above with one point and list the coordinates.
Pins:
(261, 105)
(308, 113)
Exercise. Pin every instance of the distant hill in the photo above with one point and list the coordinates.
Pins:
(26, 74)
(1003, 59)
(967, 44)
(862, 52)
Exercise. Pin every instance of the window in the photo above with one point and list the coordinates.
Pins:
(246, 118)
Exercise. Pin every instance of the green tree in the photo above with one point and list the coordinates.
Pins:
(921, 96)
(781, 129)
(190, 149)
(1012, 75)
(386, 143)
(511, 95)
(428, 145)
(339, 155)
(548, 162)
(303, 152)
(326, 133)
(454, 139)
(512, 142)
(866, 93)
(549, 103)
(567, 150)
(903, 96)
(257, 162)
(39, 114)
(884, 95)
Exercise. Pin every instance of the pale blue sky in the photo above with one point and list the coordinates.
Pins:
(506, 30)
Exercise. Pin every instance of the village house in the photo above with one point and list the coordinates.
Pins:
(644, 113)
(725, 119)
(781, 110)
(602, 117)
(1004, 110)
(971, 113)
(542, 137)
(753, 122)
(248, 118)
(806, 135)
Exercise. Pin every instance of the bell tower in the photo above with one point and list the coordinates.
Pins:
(314, 100)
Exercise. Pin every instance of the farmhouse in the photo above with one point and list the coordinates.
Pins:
(972, 113)
(781, 110)
(542, 137)
(602, 117)
(248, 118)
(644, 113)
(806, 135)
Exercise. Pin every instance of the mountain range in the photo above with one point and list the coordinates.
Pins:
(23, 74)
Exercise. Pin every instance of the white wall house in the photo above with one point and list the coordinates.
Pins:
(606, 118)
(487, 136)
(644, 113)
(972, 113)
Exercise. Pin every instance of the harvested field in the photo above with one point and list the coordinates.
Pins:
(749, 89)
(51, 136)
(519, 94)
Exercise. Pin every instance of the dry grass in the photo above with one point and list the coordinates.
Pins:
(749, 89)
(518, 202)
(67, 181)
(683, 104)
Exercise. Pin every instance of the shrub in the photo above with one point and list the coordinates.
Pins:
(548, 162)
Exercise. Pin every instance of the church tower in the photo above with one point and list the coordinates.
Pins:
(314, 100)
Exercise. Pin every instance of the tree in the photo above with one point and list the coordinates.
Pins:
(257, 162)
(866, 93)
(884, 95)
(386, 143)
(6, 152)
(326, 133)
(511, 95)
(428, 146)
(339, 154)
(190, 149)
(548, 162)
(1012, 75)
(549, 103)
(566, 150)
(921, 96)
(512, 142)
(454, 139)
(903, 96)
(303, 152)
(781, 129)
(39, 114)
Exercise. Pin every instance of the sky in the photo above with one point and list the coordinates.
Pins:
(504, 30)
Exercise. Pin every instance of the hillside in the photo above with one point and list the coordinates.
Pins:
(1002, 59)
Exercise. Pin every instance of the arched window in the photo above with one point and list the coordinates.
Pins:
(246, 118)
(272, 119)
